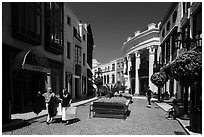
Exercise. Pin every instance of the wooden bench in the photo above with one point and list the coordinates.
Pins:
(109, 110)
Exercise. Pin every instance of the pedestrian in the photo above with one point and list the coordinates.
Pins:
(48, 95)
(66, 101)
(149, 95)
(39, 103)
(173, 112)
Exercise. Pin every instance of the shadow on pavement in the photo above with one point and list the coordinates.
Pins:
(16, 124)
(179, 133)
(72, 121)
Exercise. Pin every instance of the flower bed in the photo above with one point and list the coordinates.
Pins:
(116, 107)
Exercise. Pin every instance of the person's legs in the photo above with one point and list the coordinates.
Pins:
(63, 114)
(149, 101)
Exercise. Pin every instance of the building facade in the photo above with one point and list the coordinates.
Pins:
(43, 45)
(110, 72)
(139, 54)
(184, 18)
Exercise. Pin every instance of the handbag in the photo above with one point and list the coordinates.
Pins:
(71, 112)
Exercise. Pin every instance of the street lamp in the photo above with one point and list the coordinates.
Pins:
(187, 43)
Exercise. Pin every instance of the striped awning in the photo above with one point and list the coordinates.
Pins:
(33, 60)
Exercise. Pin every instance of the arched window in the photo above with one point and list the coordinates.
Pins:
(104, 79)
(113, 79)
(107, 79)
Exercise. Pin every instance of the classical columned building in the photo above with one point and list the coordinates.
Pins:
(139, 54)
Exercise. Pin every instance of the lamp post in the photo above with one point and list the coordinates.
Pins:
(187, 43)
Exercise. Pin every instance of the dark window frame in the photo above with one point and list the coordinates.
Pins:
(68, 50)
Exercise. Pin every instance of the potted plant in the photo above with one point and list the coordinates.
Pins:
(159, 79)
(187, 69)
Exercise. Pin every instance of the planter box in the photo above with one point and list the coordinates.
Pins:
(109, 109)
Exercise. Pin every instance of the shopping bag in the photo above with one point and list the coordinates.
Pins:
(59, 109)
(71, 112)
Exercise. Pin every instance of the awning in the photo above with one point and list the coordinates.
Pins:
(33, 60)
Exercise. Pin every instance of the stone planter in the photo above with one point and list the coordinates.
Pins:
(109, 109)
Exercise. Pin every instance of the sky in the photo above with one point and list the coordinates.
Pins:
(113, 22)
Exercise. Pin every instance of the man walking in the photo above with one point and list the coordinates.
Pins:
(149, 95)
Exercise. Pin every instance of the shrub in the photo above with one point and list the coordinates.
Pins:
(187, 67)
(159, 79)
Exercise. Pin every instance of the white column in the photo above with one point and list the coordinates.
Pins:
(151, 62)
(129, 65)
(137, 55)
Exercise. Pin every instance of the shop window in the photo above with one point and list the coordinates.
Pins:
(26, 22)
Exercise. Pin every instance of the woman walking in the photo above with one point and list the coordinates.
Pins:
(66, 101)
(48, 95)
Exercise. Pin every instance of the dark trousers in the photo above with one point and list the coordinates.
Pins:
(149, 100)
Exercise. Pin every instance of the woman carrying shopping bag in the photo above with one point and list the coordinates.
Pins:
(66, 101)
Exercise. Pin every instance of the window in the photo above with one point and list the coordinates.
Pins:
(84, 59)
(113, 79)
(168, 50)
(168, 26)
(76, 35)
(26, 21)
(77, 55)
(107, 79)
(68, 50)
(57, 28)
(163, 33)
(84, 37)
(104, 79)
(68, 20)
(174, 16)
(113, 67)
(54, 20)
(83, 85)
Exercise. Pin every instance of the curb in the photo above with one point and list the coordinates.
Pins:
(186, 130)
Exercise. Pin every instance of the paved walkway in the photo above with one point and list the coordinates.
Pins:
(166, 107)
(20, 118)
(32, 115)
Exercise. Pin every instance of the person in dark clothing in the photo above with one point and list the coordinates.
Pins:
(39, 103)
(48, 95)
(149, 95)
(173, 112)
(66, 101)
(52, 106)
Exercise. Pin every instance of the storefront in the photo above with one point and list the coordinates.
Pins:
(31, 74)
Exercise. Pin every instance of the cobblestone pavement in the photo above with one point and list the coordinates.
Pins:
(141, 121)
